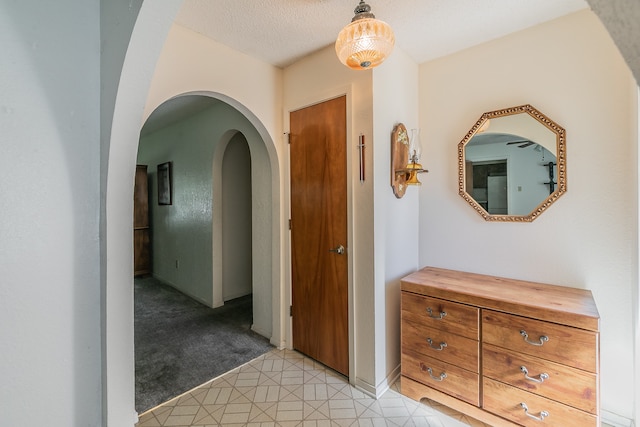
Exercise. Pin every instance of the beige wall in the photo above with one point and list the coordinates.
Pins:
(571, 71)
(312, 80)
(383, 245)
(395, 100)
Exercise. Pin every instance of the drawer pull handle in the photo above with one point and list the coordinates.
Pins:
(439, 316)
(436, 348)
(543, 376)
(424, 368)
(543, 414)
(543, 339)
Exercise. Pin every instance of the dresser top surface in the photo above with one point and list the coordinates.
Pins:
(559, 304)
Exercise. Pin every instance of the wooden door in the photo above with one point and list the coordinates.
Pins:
(319, 233)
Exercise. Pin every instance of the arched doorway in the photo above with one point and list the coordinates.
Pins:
(189, 132)
(215, 232)
(236, 219)
(150, 31)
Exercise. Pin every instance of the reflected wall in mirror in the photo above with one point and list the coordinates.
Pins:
(512, 164)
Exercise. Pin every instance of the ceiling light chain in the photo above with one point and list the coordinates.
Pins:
(362, 10)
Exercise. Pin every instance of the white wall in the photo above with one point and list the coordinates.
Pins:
(395, 100)
(50, 361)
(571, 71)
(636, 291)
(181, 236)
(122, 120)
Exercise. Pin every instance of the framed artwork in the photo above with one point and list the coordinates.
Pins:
(164, 184)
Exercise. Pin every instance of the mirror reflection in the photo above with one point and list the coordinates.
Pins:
(508, 164)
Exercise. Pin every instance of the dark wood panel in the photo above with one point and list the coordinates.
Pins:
(141, 230)
(141, 198)
(141, 252)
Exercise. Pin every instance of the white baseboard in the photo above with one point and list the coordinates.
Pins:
(280, 345)
(615, 420)
(261, 332)
(365, 387)
(377, 391)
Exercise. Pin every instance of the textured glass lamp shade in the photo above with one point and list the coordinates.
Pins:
(365, 42)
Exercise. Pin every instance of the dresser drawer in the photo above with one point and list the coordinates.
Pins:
(441, 314)
(450, 379)
(550, 341)
(506, 401)
(445, 346)
(564, 384)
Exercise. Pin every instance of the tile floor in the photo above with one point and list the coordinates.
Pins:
(284, 388)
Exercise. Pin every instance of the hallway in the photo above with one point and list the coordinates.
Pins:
(181, 343)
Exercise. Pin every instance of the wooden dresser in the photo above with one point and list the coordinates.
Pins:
(506, 352)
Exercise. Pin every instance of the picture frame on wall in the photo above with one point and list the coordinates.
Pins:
(165, 192)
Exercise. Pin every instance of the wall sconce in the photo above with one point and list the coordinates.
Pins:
(405, 158)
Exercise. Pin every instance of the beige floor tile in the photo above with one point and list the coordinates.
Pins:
(286, 389)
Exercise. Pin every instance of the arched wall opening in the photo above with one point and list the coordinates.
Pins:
(213, 242)
(237, 216)
(132, 99)
(257, 178)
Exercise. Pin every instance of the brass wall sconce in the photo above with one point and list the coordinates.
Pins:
(405, 157)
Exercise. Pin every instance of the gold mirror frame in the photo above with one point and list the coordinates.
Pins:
(561, 185)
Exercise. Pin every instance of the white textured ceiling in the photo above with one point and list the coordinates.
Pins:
(282, 31)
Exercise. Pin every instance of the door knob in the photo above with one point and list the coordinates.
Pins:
(338, 250)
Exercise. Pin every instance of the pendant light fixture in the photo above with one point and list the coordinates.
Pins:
(366, 42)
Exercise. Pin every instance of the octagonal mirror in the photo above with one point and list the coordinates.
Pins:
(511, 164)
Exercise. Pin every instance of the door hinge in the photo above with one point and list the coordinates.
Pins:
(288, 136)
(290, 311)
(289, 224)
